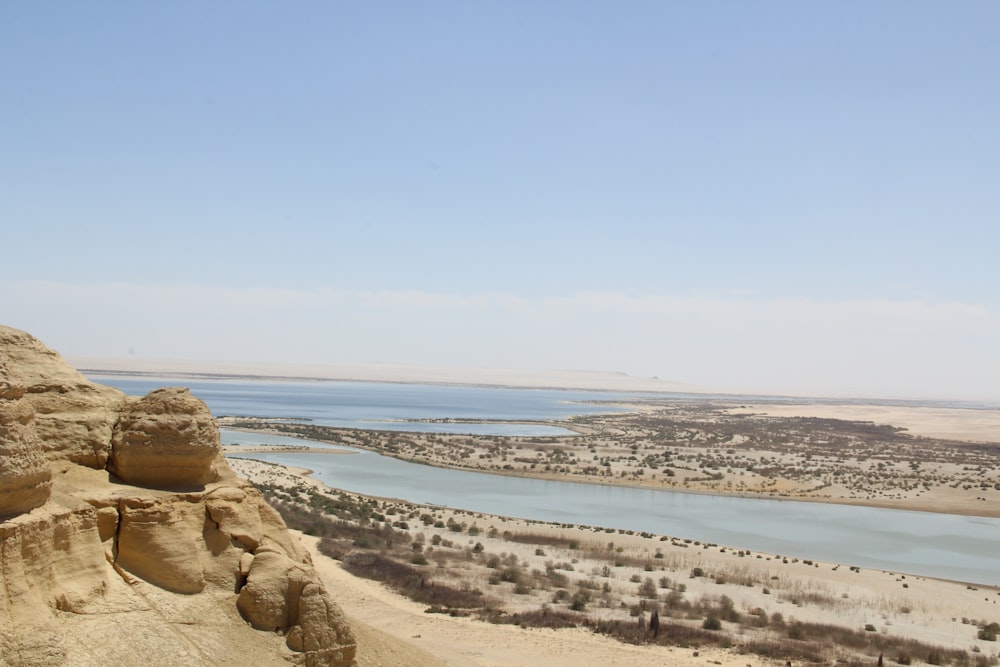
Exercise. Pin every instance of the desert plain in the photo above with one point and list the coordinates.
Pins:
(719, 604)
(437, 586)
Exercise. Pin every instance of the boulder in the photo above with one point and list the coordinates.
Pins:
(167, 439)
(282, 595)
(161, 563)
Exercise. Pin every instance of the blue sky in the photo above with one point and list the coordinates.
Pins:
(770, 196)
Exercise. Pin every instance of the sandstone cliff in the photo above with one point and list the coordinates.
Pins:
(126, 539)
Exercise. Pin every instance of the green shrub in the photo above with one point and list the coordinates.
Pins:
(711, 623)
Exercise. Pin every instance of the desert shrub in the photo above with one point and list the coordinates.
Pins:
(512, 574)
(540, 539)
(335, 549)
(312, 521)
(711, 623)
(579, 600)
(557, 579)
(538, 618)
(648, 589)
(787, 651)
(410, 582)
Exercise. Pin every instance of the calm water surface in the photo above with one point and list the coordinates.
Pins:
(937, 545)
(385, 406)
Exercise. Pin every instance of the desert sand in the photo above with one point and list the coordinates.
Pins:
(973, 425)
(393, 630)
(710, 453)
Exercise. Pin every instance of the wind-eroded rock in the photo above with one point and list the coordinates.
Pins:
(25, 475)
(166, 439)
(74, 417)
(164, 565)
(283, 594)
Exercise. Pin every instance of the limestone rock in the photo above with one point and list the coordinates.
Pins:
(25, 475)
(282, 595)
(158, 541)
(74, 417)
(163, 565)
(167, 439)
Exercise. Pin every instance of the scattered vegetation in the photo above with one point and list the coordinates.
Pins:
(457, 564)
(699, 445)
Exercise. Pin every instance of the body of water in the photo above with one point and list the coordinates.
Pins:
(920, 543)
(385, 406)
(936, 545)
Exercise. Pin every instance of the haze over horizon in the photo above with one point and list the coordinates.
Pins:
(770, 197)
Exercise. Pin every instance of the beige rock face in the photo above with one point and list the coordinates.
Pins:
(281, 593)
(25, 476)
(74, 417)
(165, 566)
(167, 439)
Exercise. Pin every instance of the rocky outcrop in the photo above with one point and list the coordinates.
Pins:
(25, 475)
(166, 439)
(74, 417)
(281, 593)
(125, 538)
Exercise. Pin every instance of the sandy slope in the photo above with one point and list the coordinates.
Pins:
(394, 631)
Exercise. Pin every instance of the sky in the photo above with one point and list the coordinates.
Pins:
(779, 197)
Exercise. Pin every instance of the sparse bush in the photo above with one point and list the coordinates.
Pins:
(648, 589)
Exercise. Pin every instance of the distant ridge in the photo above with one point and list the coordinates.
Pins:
(383, 372)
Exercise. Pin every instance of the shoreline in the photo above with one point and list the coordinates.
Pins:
(930, 609)
(549, 380)
(909, 505)
(305, 474)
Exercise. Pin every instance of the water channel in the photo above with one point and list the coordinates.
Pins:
(936, 545)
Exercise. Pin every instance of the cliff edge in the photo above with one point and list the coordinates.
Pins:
(126, 539)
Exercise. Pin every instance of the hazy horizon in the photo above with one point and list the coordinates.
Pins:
(775, 197)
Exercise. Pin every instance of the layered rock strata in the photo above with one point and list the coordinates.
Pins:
(125, 537)
(25, 476)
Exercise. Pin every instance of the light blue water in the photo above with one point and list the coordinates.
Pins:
(937, 545)
(934, 545)
(384, 406)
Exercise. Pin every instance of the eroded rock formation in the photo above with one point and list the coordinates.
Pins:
(166, 439)
(125, 538)
(25, 476)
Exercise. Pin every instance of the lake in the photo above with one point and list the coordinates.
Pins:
(936, 545)
(384, 405)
